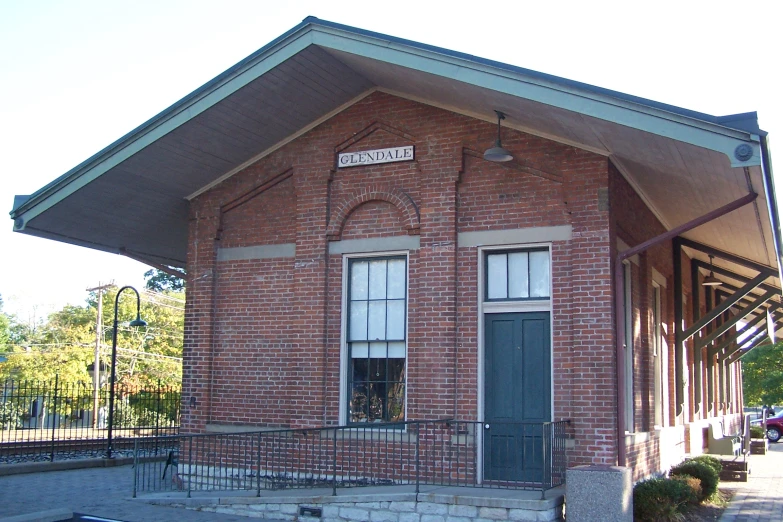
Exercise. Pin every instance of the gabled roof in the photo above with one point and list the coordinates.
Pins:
(132, 197)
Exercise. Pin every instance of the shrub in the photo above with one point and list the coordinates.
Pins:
(694, 485)
(713, 462)
(756, 432)
(660, 500)
(702, 471)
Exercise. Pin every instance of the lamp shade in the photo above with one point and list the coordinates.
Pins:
(711, 280)
(138, 321)
(497, 154)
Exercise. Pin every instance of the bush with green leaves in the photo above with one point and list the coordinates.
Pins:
(711, 461)
(694, 485)
(756, 432)
(127, 416)
(701, 470)
(11, 415)
(661, 500)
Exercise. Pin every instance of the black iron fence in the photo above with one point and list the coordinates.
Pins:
(528, 456)
(53, 420)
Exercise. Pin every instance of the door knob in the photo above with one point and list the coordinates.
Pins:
(486, 426)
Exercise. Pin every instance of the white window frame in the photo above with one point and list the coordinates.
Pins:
(344, 363)
(499, 307)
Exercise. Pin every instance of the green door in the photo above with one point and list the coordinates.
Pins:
(517, 397)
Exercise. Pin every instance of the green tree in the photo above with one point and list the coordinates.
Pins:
(762, 375)
(64, 344)
(160, 281)
(150, 354)
(5, 329)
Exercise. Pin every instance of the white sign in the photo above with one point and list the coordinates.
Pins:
(373, 157)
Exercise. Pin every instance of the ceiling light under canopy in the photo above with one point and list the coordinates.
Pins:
(497, 153)
(711, 280)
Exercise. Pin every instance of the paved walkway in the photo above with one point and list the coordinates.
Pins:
(760, 499)
(104, 492)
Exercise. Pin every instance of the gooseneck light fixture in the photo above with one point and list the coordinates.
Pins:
(497, 153)
(136, 322)
(711, 280)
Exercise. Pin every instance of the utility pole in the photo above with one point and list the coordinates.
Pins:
(96, 370)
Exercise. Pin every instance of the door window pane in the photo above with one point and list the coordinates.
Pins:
(497, 276)
(539, 274)
(517, 275)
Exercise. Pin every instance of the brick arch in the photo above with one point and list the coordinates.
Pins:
(399, 198)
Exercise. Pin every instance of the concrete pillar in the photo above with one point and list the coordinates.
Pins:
(599, 492)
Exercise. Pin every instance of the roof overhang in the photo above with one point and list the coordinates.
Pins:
(132, 197)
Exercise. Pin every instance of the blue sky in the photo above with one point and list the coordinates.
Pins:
(77, 75)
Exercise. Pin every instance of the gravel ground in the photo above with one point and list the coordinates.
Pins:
(61, 455)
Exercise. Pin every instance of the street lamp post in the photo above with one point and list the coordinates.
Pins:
(136, 322)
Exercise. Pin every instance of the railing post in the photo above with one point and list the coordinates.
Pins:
(157, 419)
(418, 437)
(258, 467)
(135, 465)
(546, 465)
(54, 412)
(334, 464)
(190, 457)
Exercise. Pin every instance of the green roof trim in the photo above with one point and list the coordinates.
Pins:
(711, 132)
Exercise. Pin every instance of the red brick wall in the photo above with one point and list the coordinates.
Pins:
(263, 336)
(634, 223)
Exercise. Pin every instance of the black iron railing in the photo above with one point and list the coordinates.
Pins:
(528, 456)
(52, 420)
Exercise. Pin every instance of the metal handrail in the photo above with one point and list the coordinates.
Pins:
(445, 452)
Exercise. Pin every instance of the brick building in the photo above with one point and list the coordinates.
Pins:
(353, 257)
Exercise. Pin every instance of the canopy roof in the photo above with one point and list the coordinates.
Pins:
(132, 197)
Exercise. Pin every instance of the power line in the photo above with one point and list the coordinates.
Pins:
(149, 354)
(161, 295)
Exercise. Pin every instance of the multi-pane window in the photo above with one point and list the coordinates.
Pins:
(377, 309)
(517, 275)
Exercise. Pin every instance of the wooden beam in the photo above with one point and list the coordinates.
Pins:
(678, 320)
(771, 272)
(732, 275)
(708, 300)
(742, 331)
(724, 327)
(696, 352)
(723, 306)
